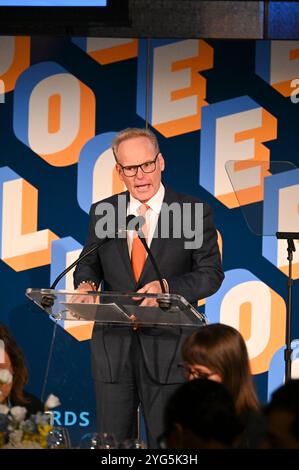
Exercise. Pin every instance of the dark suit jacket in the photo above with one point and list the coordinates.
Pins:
(192, 273)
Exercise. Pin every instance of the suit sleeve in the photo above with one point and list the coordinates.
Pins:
(206, 274)
(90, 268)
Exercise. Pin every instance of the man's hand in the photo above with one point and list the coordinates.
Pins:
(82, 299)
(152, 287)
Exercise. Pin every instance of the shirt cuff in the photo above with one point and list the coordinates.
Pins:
(166, 286)
(90, 283)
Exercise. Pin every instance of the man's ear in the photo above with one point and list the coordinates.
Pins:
(161, 162)
(118, 171)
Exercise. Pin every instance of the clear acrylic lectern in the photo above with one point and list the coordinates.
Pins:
(75, 316)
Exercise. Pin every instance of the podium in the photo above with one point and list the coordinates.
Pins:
(75, 317)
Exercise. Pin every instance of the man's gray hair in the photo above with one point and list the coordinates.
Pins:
(131, 133)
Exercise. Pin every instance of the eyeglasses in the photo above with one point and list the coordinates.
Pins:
(195, 374)
(146, 167)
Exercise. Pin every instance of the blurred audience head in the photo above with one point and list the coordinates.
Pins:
(12, 360)
(218, 352)
(200, 415)
(282, 416)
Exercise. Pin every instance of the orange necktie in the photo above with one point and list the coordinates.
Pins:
(138, 255)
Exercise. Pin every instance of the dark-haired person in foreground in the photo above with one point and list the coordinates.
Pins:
(218, 352)
(200, 415)
(282, 416)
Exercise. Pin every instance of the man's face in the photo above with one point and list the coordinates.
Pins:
(135, 151)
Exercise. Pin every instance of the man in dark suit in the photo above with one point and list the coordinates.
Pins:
(132, 366)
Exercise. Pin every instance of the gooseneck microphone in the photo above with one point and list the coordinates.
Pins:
(132, 223)
(138, 223)
(48, 300)
(91, 250)
(164, 303)
(287, 235)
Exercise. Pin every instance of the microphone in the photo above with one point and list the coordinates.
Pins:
(287, 235)
(91, 250)
(139, 222)
(48, 300)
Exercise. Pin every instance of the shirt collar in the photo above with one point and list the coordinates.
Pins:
(154, 203)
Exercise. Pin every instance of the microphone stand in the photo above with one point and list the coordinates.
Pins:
(48, 300)
(164, 303)
(290, 237)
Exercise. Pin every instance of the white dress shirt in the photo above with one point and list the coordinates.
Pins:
(151, 216)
